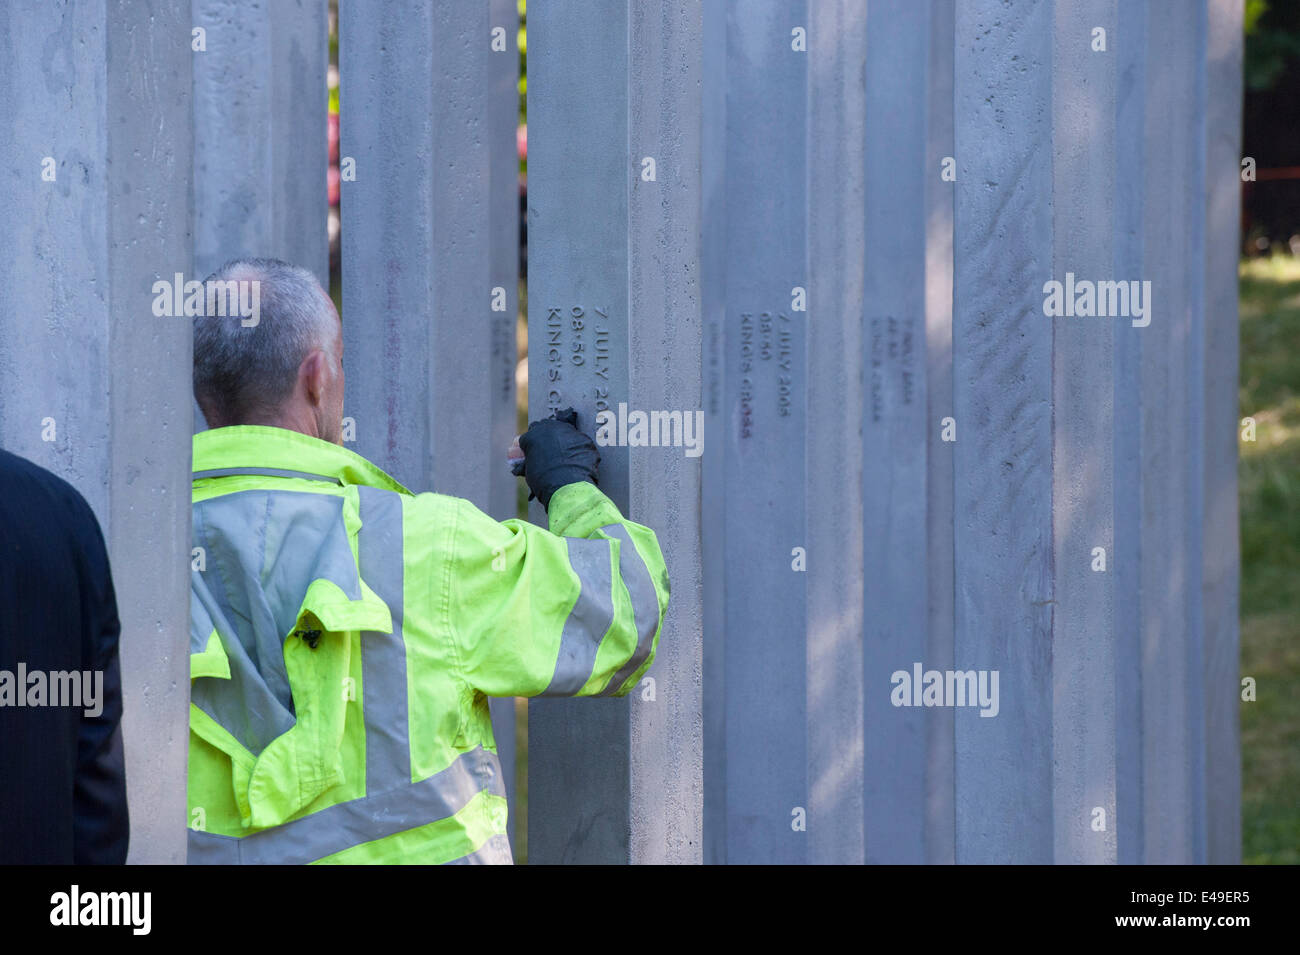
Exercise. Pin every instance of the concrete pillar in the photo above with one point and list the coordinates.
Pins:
(1082, 686)
(839, 35)
(502, 122)
(97, 387)
(579, 170)
(1084, 436)
(413, 92)
(1172, 438)
(1223, 84)
(1178, 754)
(665, 337)
(1028, 503)
(260, 134)
(717, 409)
(1002, 403)
(428, 110)
(795, 745)
(1131, 64)
(614, 318)
(756, 277)
(940, 729)
(894, 425)
(260, 138)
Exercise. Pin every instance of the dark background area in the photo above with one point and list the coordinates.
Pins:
(1271, 127)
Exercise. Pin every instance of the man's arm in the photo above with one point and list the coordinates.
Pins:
(573, 611)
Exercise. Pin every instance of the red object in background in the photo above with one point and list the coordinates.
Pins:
(521, 140)
(334, 159)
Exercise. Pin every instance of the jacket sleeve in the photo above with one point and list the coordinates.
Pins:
(573, 611)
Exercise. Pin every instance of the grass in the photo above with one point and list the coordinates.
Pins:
(1269, 475)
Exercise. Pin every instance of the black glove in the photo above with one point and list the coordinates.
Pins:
(556, 453)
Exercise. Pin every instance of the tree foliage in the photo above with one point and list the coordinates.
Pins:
(1272, 41)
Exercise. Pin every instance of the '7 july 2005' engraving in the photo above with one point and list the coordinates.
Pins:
(770, 339)
(567, 351)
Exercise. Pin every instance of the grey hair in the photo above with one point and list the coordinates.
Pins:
(243, 374)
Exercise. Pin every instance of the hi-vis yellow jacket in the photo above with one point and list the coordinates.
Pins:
(345, 635)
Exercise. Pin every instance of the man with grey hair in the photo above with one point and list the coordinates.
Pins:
(248, 373)
(346, 634)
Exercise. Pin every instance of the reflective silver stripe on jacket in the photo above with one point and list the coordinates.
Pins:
(590, 618)
(358, 821)
(272, 472)
(645, 603)
(383, 655)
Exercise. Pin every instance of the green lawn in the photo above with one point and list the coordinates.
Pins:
(1270, 559)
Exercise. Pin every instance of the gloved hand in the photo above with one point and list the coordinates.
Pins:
(556, 453)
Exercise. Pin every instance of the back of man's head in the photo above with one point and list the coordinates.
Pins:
(281, 369)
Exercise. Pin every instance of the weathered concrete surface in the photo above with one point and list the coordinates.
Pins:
(390, 248)
(713, 539)
(1178, 780)
(1036, 544)
(940, 730)
(1172, 437)
(1080, 433)
(894, 426)
(1130, 119)
(414, 82)
(260, 135)
(837, 184)
(756, 238)
(105, 94)
(579, 170)
(503, 247)
(503, 273)
(614, 317)
(149, 502)
(665, 334)
(1221, 581)
(1084, 731)
(1002, 397)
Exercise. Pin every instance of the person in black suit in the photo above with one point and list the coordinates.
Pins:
(62, 778)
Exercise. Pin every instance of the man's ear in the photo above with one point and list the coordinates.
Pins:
(315, 375)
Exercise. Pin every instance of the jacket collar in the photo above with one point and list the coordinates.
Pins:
(278, 449)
